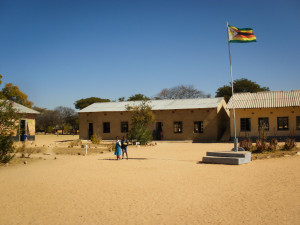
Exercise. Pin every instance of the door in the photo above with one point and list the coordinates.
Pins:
(91, 130)
(22, 129)
(159, 131)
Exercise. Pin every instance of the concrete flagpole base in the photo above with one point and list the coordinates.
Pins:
(227, 157)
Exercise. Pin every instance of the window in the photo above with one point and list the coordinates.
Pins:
(198, 127)
(106, 127)
(245, 124)
(177, 127)
(263, 122)
(124, 127)
(282, 123)
(297, 122)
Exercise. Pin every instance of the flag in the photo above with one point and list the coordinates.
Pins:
(241, 35)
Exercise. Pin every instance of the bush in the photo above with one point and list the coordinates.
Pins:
(8, 122)
(29, 150)
(289, 144)
(75, 143)
(273, 144)
(246, 144)
(141, 133)
(261, 146)
(95, 139)
(6, 146)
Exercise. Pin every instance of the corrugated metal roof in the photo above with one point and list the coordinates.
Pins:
(23, 109)
(171, 104)
(266, 99)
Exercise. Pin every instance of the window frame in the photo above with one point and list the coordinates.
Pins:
(268, 124)
(178, 127)
(124, 129)
(279, 123)
(105, 131)
(200, 127)
(246, 124)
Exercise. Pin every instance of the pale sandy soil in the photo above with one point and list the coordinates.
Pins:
(164, 184)
(53, 140)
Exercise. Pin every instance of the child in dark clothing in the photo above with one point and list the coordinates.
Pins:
(124, 147)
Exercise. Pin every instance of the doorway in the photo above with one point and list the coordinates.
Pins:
(22, 130)
(91, 130)
(159, 131)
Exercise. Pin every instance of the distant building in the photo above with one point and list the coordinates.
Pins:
(277, 111)
(204, 119)
(26, 124)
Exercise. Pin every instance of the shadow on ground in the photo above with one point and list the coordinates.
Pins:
(126, 159)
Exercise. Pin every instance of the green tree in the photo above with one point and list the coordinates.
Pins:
(239, 86)
(13, 93)
(181, 92)
(141, 118)
(84, 102)
(138, 97)
(8, 121)
(122, 99)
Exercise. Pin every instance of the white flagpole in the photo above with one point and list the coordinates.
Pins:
(234, 125)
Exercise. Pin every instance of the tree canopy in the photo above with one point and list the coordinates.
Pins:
(181, 92)
(61, 117)
(84, 102)
(13, 93)
(239, 86)
(138, 97)
(141, 117)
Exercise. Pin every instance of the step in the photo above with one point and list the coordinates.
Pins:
(228, 157)
(244, 154)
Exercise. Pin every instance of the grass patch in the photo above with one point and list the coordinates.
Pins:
(274, 154)
(27, 151)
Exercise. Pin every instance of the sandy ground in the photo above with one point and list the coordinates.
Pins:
(164, 184)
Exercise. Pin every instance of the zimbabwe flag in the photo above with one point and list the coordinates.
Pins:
(240, 35)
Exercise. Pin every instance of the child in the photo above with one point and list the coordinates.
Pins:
(118, 148)
(124, 147)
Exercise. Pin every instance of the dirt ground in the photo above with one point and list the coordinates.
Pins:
(161, 184)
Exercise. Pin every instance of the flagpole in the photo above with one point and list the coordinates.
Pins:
(234, 125)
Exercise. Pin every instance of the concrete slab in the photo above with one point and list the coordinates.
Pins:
(227, 157)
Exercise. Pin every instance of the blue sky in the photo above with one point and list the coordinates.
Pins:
(58, 52)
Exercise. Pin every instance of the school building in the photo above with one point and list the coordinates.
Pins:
(278, 112)
(200, 120)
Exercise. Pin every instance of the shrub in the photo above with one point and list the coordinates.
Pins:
(8, 122)
(261, 146)
(273, 144)
(141, 133)
(6, 149)
(289, 144)
(95, 139)
(77, 142)
(246, 144)
(27, 151)
(141, 118)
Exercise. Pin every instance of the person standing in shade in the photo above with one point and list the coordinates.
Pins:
(118, 148)
(124, 147)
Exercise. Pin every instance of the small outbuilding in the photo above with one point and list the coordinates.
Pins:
(26, 124)
(277, 112)
(200, 120)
